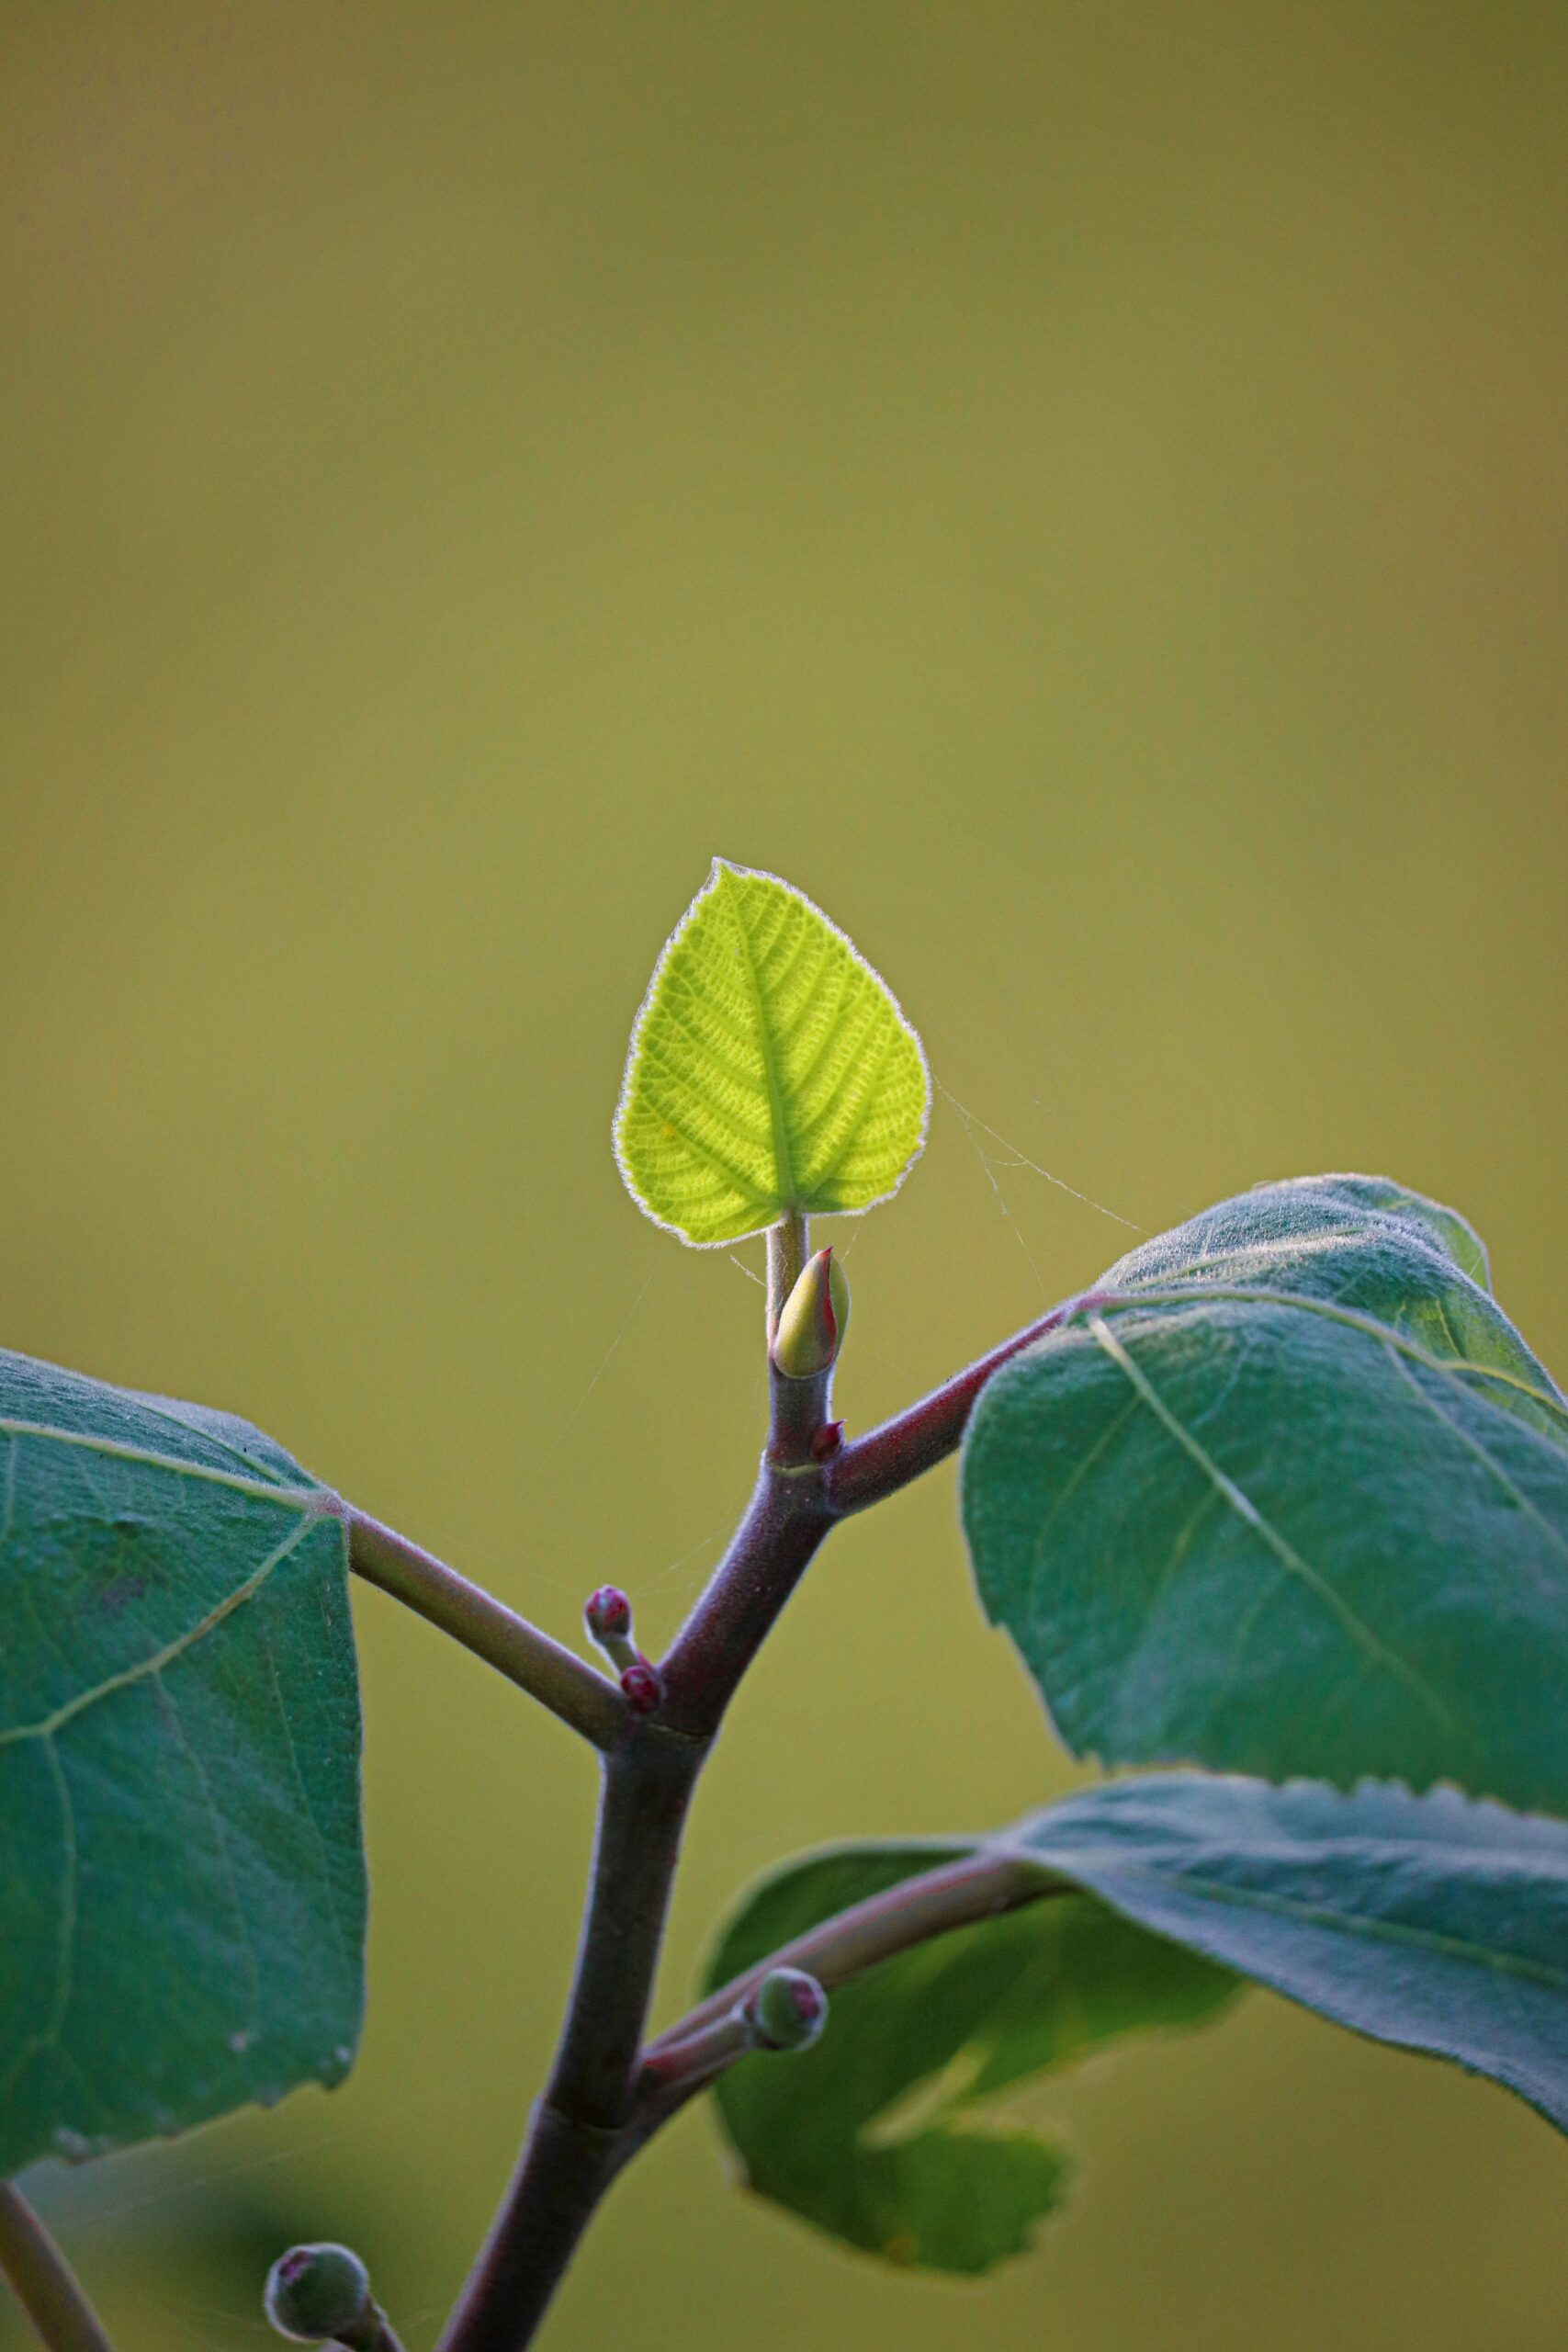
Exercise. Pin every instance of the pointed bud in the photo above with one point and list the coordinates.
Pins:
(318, 2294)
(641, 1687)
(788, 2009)
(811, 1329)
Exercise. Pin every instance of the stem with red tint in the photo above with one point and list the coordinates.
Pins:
(915, 1441)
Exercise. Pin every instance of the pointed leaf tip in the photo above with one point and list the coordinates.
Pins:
(772, 1073)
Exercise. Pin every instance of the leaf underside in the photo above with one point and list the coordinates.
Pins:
(1435, 1923)
(182, 1880)
(1290, 1496)
(770, 1071)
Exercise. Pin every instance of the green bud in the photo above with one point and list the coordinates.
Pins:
(811, 1329)
(317, 2294)
(788, 2009)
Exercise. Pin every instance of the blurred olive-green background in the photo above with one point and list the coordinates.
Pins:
(1080, 489)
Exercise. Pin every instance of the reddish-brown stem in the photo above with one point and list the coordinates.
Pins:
(576, 2143)
(953, 1894)
(886, 1458)
(575, 2140)
(785, 1521)
(572, 2150)
(693, 2054)
(42, 2281)
(679, 2065)
(799, 1410)
(601, 2105)
(648, 1788)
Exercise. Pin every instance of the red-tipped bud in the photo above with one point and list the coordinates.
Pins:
(608, 1617)
(827, 1442)
(318, 2294)
(811, 1329)
(788, 2009)
(609, 1612)
(641, 1687)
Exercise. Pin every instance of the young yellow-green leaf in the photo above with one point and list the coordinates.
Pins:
(770, 1071)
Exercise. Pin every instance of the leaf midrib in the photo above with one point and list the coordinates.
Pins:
(1115, 1863)
(1251, 1517)
(267, 1490)
(784, 1158)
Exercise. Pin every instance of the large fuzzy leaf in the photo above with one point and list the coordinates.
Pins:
(1437, 1922)
(182, 1884)
(1290, 1495)
(770, 1071)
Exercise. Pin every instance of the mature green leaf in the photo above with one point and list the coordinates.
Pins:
(770, 1071)
(1436, 1923)
(883, 2134)
(1289, 1495)
(182, 1883)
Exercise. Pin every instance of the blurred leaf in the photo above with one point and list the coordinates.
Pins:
(1438, 1923)
(182, 1880)
(1301, 1507)
(771, 1069)
(880, 2134)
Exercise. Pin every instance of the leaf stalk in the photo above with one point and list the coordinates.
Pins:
(872, 1467)
(789, 1244)
(43, 2281)
(554, 1675)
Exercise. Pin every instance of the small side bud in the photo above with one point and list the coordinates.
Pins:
(827, 1442)
(788, 2009)
(318, 2294)
(641, 1687)
(608, 1613)
(811, 1329)
(608, 1617)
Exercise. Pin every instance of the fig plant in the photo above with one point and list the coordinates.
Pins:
(1275, 1511)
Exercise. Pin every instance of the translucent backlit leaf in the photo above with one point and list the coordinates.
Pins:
(770, 1071)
